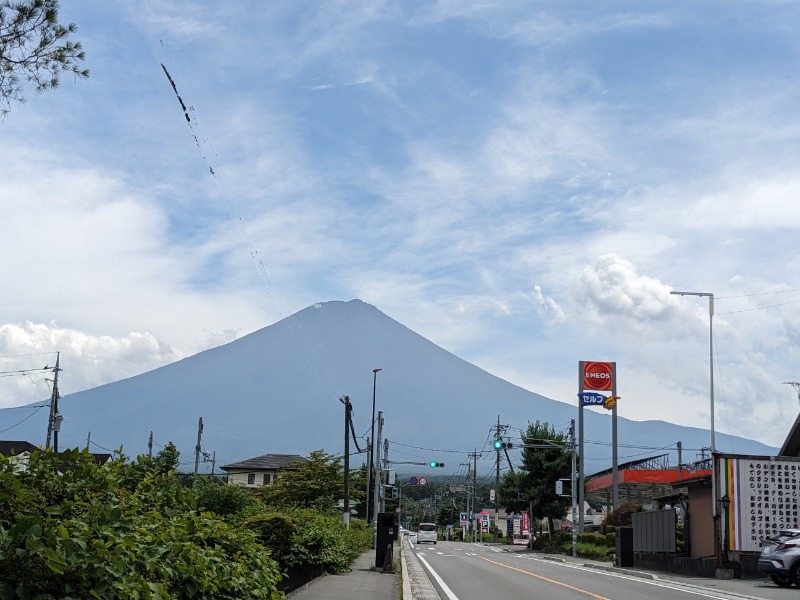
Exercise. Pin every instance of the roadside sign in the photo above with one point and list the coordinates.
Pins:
(422, 481)
(413, 481)
(592, 399)
(597, 376)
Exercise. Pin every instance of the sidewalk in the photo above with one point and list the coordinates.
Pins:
(361, 582)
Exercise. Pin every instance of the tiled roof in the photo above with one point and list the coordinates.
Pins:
(267, 462)
(12, 448)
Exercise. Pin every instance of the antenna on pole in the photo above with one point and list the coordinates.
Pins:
(795, 385)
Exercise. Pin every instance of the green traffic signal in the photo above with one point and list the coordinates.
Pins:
(498, 444)
(436, 464)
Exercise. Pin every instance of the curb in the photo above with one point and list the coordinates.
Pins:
(407, 594)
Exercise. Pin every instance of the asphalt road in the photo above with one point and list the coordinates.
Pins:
(466, 571)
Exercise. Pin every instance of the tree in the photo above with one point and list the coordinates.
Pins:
(540, 469)
(316, 483)
(34, 49)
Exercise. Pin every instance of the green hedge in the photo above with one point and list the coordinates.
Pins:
(123, 531)
(307, 537)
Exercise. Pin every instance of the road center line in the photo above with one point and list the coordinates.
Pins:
(438, 579)
(553, 581)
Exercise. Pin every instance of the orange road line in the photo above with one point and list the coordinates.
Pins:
(548, 580)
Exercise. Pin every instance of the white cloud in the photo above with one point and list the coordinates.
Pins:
(611, 288)
(86, 361)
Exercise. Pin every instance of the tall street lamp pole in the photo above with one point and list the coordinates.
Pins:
(372, 441)
(710, 352)
(710, 297)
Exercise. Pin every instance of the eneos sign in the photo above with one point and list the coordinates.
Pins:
(598, 376)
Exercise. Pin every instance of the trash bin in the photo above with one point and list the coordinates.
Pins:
(384, 539)
(624, 542)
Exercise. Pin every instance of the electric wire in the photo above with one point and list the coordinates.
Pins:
(23, 420)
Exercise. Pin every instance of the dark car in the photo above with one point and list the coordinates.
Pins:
(780, 557)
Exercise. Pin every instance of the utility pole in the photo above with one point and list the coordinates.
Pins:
(199, 445)
(574, 498)
(386, 472)
(367, 500)
(346, 510)
(378, 482)
(372, 462)
(497, 481)
(468, 507)
(150, 445)
(54, 421)
(474, 487)
(88, 440)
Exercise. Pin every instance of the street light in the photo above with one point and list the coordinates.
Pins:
(370, 474)
(710, 297)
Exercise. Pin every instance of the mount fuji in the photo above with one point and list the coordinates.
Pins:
(277, 390)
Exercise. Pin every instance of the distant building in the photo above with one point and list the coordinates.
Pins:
(261, 470)
(18, 450)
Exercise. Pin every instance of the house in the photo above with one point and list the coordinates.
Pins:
(19, 450)
(261, 470)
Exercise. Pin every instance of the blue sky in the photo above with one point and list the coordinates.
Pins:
(522, 183)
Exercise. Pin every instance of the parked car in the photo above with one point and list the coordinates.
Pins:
(426, 532)
(780, 558)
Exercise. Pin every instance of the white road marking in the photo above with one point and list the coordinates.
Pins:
(438, 579)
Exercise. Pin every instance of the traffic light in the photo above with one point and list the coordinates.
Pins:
(436, 464)
(500, 444)
(394, 492)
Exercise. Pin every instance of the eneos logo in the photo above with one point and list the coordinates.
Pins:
(597, 375)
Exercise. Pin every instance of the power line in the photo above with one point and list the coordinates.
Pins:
(733, 312)
(38, 408)
(757, 294)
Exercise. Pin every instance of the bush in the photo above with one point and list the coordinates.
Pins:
(592, 551)
(307, 537)
(323, 540)
(124, 530)
(224, 500)
(595, 539)
(276, 532)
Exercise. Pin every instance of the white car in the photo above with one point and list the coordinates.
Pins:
(426, 532)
